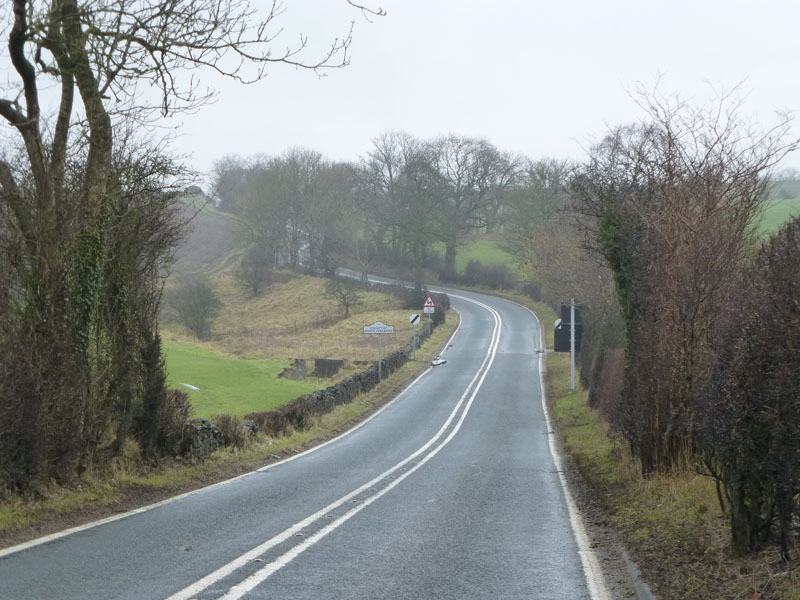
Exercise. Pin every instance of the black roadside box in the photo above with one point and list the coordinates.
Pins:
(562, 335)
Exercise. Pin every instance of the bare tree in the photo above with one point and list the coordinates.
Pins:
(229, 179)
(381, 181)
(256, 269)
(330, 232)
(475, 176)
(292, 207)
(671, 205)
(62, 198)
(538, 193)
(344, 293)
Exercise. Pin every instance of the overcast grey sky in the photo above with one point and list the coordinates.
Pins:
(538, 78)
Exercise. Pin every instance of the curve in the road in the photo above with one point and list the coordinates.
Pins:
(486, 517)
(430, 449)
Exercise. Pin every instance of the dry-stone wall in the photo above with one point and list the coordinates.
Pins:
(299, 413)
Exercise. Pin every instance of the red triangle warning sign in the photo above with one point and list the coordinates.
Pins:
(429, 303)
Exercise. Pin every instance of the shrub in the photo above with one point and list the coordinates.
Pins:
(196, 303)
(500, 277)
(532, 290)
(272, 422)
(344, 292)
(752, 430)
(235, 436)
(160, 432)
(473, 273)
(495, 277)
(256, 270)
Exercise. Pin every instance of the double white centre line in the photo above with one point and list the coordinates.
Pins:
(430, 449)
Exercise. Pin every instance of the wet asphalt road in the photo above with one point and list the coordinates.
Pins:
(449, 492)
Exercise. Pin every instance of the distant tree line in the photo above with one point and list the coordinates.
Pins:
(409, 204)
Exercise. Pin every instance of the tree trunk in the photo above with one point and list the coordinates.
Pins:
(450, 261)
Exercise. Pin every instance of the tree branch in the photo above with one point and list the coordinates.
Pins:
(11, 193)
(16, 49)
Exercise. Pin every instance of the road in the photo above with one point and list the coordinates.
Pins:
(451, 491)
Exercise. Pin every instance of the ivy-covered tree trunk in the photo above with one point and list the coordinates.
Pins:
(85, 214)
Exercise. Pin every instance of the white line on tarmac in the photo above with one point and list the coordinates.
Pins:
(591, 567)
(266, 571)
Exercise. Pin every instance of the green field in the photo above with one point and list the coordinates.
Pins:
(777, 212)
(235, 386)
(485, 250)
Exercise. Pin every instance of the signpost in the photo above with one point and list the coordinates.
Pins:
(429, 307)
(568, 334)
(379, 328)
(572, 340)
(414, 320)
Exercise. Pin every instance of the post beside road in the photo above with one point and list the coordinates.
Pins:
(414, 320)
(572, 340)
(379, 328)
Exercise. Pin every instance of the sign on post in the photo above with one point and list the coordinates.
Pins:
(568, 334)
(380, 328)
(429, 307)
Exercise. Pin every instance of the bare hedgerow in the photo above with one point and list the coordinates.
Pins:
(751, 433)
(671, 204)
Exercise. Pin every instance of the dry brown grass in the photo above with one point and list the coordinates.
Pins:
(293, 319)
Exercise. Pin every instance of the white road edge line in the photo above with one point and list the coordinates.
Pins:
(198, 586)
(73, 530)
(595, 580)
(240, 589)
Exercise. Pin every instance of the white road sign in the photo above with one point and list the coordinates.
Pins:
(379, 327)
(413, 319)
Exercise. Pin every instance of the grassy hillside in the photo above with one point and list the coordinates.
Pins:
(294, 319)
(254, 338)
(212, 237)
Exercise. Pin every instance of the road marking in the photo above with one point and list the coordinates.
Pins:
(270, 568)
(591, 566)
(73, 530)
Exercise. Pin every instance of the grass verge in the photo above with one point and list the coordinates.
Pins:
(128, 483)
(671, 523)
